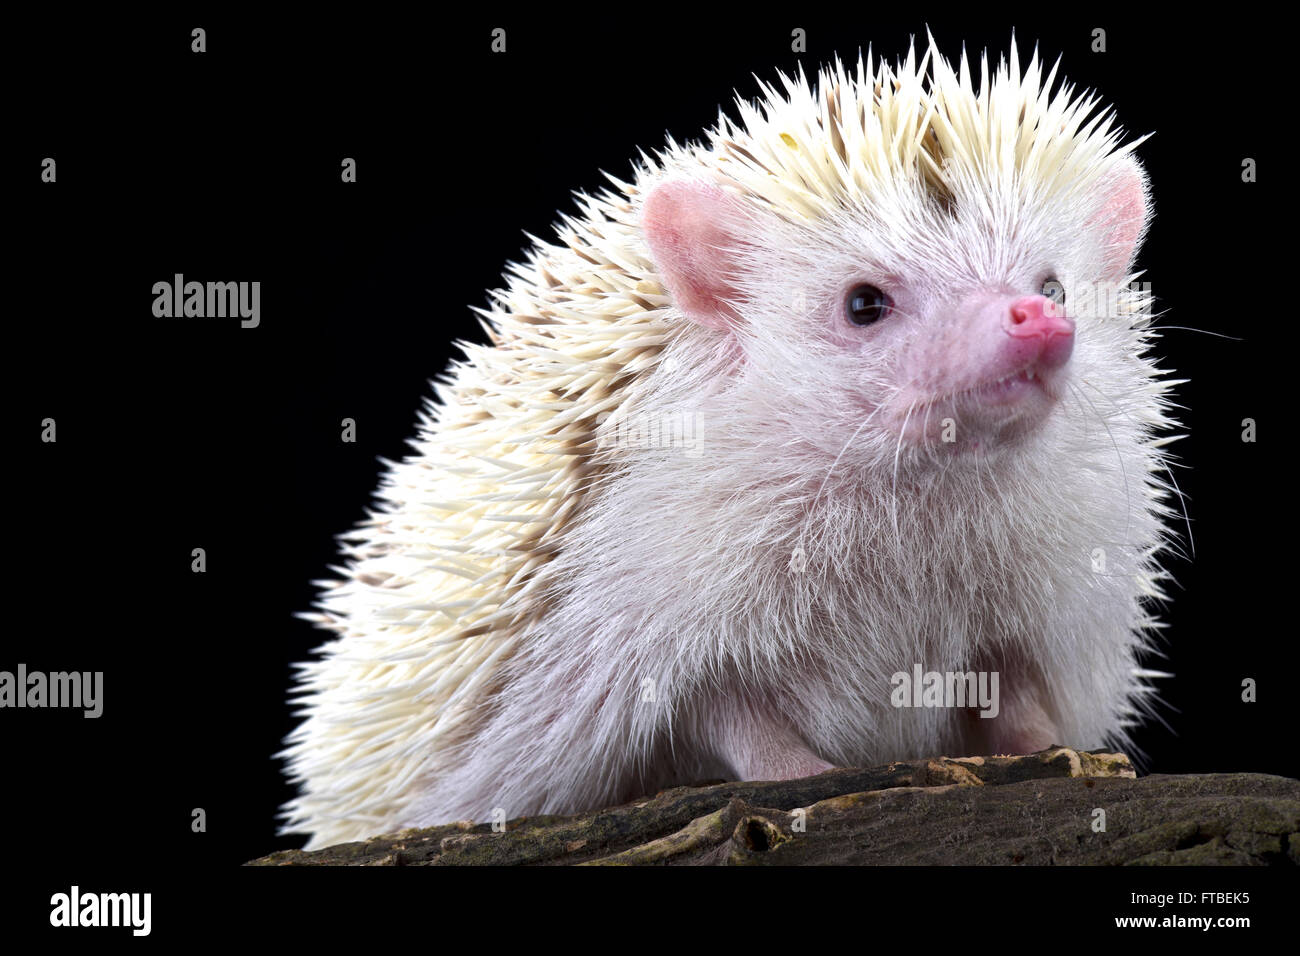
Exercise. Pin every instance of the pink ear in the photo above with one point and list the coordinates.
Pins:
(695, 230)
(1122, 218)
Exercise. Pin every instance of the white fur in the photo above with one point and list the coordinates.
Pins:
(486, 663)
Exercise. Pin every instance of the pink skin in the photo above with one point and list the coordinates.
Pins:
(1040, 336)
(1023, 724)
(1025, 727)
(995, 369)
(757, 744)
(689, 222)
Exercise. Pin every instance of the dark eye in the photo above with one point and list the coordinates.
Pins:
(1054, 290)
(868, 304)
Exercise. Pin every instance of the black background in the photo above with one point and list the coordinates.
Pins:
(176, 434)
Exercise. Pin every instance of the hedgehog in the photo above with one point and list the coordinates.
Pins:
(858, 385)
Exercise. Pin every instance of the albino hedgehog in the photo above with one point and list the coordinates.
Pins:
(882, 435)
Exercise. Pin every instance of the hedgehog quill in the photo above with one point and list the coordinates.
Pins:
(914, 446)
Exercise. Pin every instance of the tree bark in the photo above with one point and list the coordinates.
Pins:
(1058, 806)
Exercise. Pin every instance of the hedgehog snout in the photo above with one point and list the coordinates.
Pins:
(1042, 336)
(1003, 334)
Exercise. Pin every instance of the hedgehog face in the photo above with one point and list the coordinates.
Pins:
(956, 212)
(942, 331)
(949, 334)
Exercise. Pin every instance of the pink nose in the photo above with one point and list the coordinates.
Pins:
(1045, 335)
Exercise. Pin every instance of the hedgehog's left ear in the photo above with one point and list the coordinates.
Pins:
(696, 232)
(1123, 216)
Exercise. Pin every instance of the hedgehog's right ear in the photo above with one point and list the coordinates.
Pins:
(695, 232)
